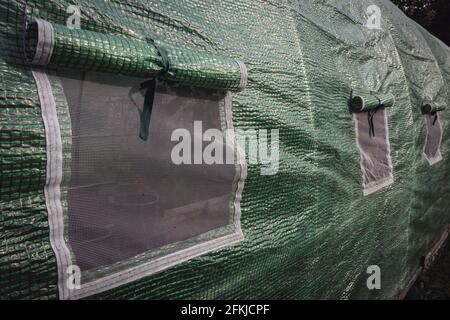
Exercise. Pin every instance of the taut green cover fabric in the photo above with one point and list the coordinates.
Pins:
(309, 231)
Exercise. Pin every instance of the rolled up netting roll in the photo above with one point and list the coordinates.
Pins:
(432, 108)
(55, 46)
(205, 70)
(364, 101)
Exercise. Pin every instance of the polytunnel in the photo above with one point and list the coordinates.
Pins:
(114, 184)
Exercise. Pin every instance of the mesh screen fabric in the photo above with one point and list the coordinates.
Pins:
(373, 143)
(432, 148)
(309, 232)
(372, 134)
(125, 196)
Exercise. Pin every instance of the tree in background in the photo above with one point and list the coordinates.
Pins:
(434, 15)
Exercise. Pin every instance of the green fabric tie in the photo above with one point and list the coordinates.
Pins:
(145, 114)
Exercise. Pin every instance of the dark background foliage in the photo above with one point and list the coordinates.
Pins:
(434, 15)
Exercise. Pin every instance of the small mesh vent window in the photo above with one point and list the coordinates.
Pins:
(432, 148)
(373, 143)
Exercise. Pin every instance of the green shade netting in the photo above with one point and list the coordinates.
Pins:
(204, 70)
(363, 101)
(94, 51)
(57, 46)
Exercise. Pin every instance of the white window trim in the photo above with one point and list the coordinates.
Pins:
(56, 214)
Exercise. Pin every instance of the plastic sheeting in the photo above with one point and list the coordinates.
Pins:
(309, 230)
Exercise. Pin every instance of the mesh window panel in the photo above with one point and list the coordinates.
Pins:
(432, 148)
(373, 143)
(126, 196)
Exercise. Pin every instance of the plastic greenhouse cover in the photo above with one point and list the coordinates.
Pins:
(310, 230)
